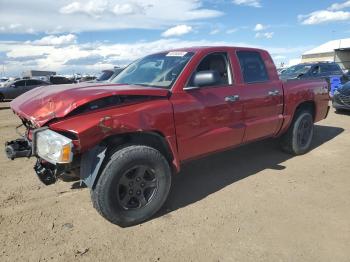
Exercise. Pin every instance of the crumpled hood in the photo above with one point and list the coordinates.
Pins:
(42, 104)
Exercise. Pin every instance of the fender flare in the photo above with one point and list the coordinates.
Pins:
(91, 162)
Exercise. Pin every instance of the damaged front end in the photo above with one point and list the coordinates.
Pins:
(54, 153)
(22, 147)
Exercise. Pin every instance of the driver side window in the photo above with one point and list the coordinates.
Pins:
(217, 62)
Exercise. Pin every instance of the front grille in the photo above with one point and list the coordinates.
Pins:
(345, 99)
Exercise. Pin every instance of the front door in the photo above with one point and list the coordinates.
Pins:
(208, 118)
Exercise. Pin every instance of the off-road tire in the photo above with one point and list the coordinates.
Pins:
(105, 196)
(290, 142)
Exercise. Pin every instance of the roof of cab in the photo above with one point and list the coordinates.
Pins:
(211, 48)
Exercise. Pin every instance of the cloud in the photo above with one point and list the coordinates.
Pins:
(324, 16)
(215, 31)
(231, 31)
(294, 61)
(177, 30)
(253, 3)
(333, 14)
(96, 56)
(91, 8)
(259, 27)
(279, 57)
(26, 58)
(67, 16)
(56, 40)
(341, 6)
(267, 35)
(128, 9)
(87, 60)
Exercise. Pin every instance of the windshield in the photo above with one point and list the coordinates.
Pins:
(297, 69)
(158, 70)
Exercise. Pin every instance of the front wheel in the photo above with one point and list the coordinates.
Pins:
(133, 185)
(297, 140)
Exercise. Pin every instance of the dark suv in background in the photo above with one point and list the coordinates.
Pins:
(341, 98)
(109, 74)
(314, 70)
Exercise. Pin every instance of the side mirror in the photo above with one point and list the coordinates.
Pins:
(205, 78)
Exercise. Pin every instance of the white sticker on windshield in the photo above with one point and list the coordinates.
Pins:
(177, 53)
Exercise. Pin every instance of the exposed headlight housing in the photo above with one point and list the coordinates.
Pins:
(53, 147)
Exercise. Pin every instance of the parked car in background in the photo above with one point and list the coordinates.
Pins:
(281, 70)
(125, 138)
(60, 80)
(6, 80)
(87, 78)
(3, 79)
(18, 87)
(313, 71)
(109, 74)
(341, 98)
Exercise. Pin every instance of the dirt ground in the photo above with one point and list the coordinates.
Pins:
(254, 203)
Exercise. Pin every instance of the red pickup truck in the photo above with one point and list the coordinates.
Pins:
(124, 139)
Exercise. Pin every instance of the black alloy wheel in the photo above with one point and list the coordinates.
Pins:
(136, 187)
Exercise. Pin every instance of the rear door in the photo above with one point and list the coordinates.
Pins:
(208, 118)
(262, 95)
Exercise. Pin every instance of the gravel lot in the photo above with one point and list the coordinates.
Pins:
(254, 203)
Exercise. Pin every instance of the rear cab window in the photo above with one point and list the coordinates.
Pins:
(252, 67)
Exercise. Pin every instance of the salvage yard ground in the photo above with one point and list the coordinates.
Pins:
(254, 203)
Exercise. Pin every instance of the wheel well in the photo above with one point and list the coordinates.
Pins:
(151, 139)
(307, 105)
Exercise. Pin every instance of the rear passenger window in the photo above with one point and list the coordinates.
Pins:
(252, 67)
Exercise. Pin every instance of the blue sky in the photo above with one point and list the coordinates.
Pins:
(87, 36)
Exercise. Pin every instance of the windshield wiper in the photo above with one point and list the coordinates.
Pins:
(140, 84)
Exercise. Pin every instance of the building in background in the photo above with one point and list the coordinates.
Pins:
(332, 51)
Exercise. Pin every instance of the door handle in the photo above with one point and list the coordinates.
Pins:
(232, 99)
(274, 93)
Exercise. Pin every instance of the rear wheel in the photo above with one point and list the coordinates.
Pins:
(133, 185)
(297, 140)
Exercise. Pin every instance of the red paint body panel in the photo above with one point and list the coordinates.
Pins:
(194, 123)
(299, 91)
(45, 103)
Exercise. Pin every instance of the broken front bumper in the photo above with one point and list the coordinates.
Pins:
(18, 148)
(46, 172)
